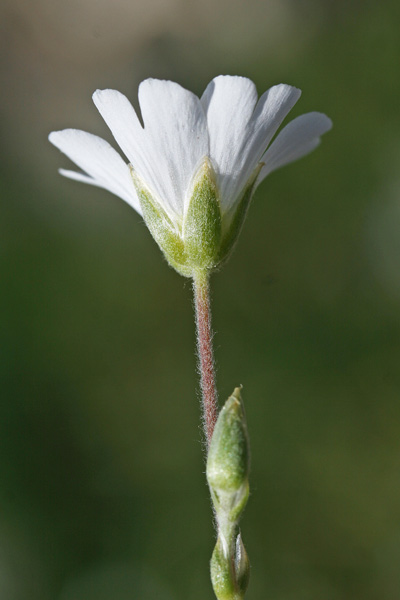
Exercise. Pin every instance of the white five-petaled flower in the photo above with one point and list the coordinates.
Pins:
(192, 155)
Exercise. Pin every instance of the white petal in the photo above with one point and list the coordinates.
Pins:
(76, 176)
(176, 138)
(240, 129)
(298, 138)
(229, 104)
(95, 156)
(124, 124)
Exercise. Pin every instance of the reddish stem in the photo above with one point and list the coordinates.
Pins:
(205, 353)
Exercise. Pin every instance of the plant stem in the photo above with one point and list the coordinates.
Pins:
(201, 291)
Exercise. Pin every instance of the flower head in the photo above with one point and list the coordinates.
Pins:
(194, 162)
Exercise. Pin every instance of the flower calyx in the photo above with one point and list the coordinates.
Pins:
(204, 238)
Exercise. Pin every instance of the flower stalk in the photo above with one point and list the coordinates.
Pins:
(227, 462)
(206, 366)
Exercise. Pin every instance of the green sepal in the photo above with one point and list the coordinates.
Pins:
(230, 236)
(202, 222)
(161, 228)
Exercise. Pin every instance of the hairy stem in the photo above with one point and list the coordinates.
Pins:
(201, 290)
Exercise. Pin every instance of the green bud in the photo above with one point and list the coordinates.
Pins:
(227, 475)
(161, 227)
(230, 570)
(222, 576)
(202, 222)
(228, 457)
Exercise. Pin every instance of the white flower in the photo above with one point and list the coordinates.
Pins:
(221, 138)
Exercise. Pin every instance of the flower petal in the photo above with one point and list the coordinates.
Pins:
(124, 124)
(176, 139)
(103, 165)
(166, 152)
(229, 104)
(240, 129)
(76, 176)
(298, 138)
(273, 106)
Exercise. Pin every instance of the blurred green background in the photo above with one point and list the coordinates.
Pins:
(102, 487)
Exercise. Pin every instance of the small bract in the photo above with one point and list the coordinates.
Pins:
(195, 163)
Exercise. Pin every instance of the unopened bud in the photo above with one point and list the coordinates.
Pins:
(230, 571)
(227, 475)
(228, 457)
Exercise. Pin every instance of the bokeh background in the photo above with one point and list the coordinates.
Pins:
(102, 487)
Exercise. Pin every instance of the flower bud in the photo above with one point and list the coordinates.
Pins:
(227, 475)
(230, 572)
(228, 457)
